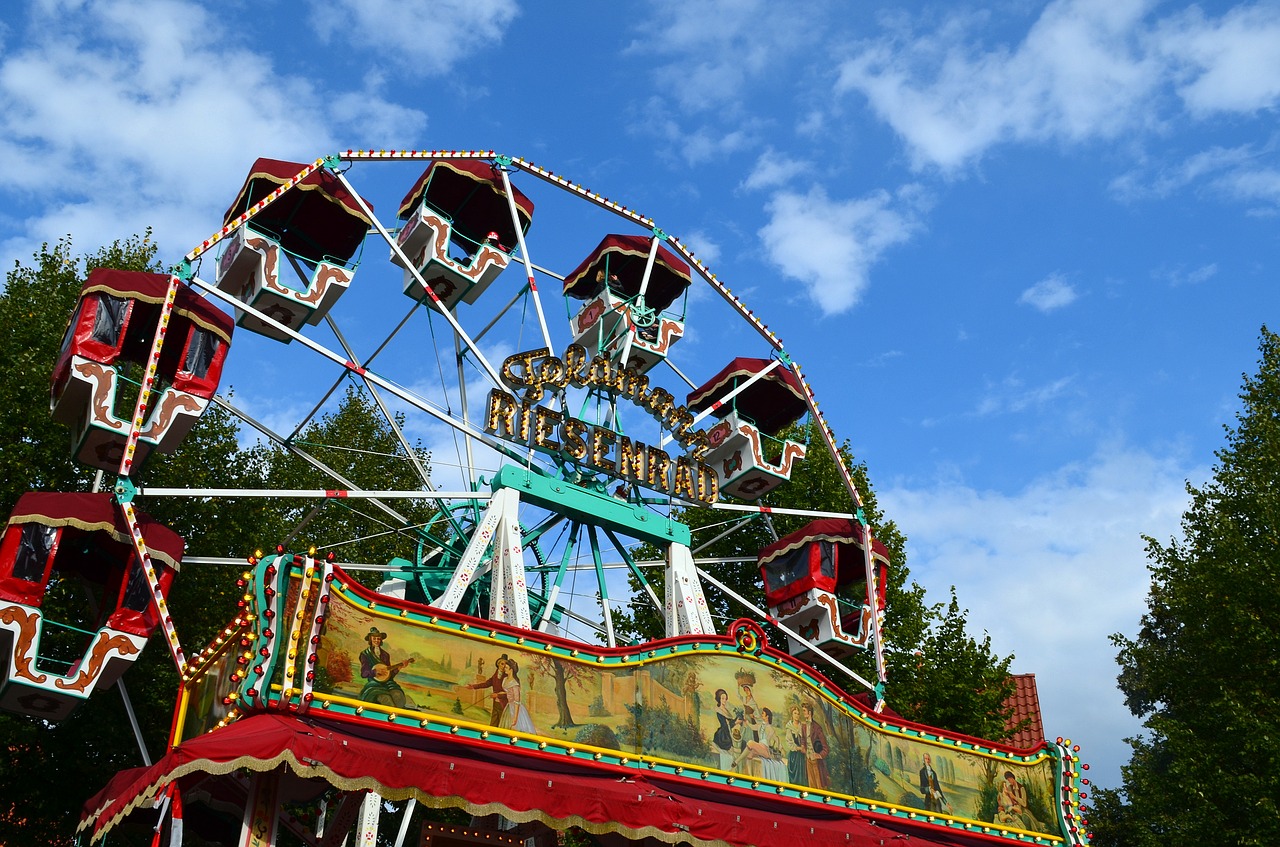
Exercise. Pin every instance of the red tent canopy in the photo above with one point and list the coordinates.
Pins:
(152, 288)
(316, 218)
(398, 763)
(788, 568)
(772, 402)
(96, 513)
(626, 256)
(470, 192)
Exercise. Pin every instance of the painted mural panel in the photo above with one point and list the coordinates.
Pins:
(706, 708)
(204, 698)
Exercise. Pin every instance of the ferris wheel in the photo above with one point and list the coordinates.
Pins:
(577, 425)
(580, 379)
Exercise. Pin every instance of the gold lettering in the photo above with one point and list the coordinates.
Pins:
(576, 365)
(545, 422)
(571, 437)
(600, 374)
(658, 402)
(631, 459)
(656, 466)
(526, 416)
(501, 414)
(633, 384)
(682, 482)
(601, 440)
(683, 419)
(517, 379)
(708, 484)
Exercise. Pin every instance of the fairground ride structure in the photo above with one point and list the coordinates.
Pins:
(481, 675)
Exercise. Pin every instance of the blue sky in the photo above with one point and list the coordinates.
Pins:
(1022, 250)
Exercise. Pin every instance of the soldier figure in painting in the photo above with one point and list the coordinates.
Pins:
(376, 667)
(934, 801)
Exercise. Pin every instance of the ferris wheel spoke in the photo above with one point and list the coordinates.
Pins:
(448, 315)
(402, 393)
(390, 419)
(554, 596)
(524, 254)
(631, 566)
(338, 382)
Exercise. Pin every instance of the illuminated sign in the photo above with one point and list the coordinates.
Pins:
(535, 373)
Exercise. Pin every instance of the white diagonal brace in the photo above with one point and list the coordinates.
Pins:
(686, 606)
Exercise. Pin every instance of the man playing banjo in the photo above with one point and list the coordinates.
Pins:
(376, 667)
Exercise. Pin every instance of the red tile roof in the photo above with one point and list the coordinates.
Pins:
(1025, 703)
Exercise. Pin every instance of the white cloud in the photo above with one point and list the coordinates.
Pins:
(1050, 571)
(1076, 75)
(1012, 395)
(830, 245)
(1086, 70)
(425, 36)
(1231, 64)
(703, 246)
(1135, 185)
(694, 147)
(1051, 293)
(130, 125)
(773, 170)
(1252, 184)
(1180, 275)
(715, 50)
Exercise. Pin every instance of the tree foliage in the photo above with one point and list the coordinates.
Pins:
(358, 443)
(49, 770)
(1204, 669)
(938, 673)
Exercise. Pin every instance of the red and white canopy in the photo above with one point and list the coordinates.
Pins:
(626, 257)
(97, 513)
(772, 402)
(471, 193)
(797, 562)
(316, 218)
(521, 786)
(152, 288)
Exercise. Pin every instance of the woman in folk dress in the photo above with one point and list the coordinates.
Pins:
(516, 715)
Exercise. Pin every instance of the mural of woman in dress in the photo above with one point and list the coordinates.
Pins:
(722, 740)
(793, 741)
(1011, 804)
(516, 714)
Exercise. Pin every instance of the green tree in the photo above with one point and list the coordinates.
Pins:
(938, 673)
(34, 310)
(81, 753)
(49, 771)
(1204, 669)
(356, 441)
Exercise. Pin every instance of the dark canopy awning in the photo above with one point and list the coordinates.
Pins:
(470, 192)
(838, 530)
(626, 256)
(316, 218)
(152, 288)
(772, 402)
(96, 513)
